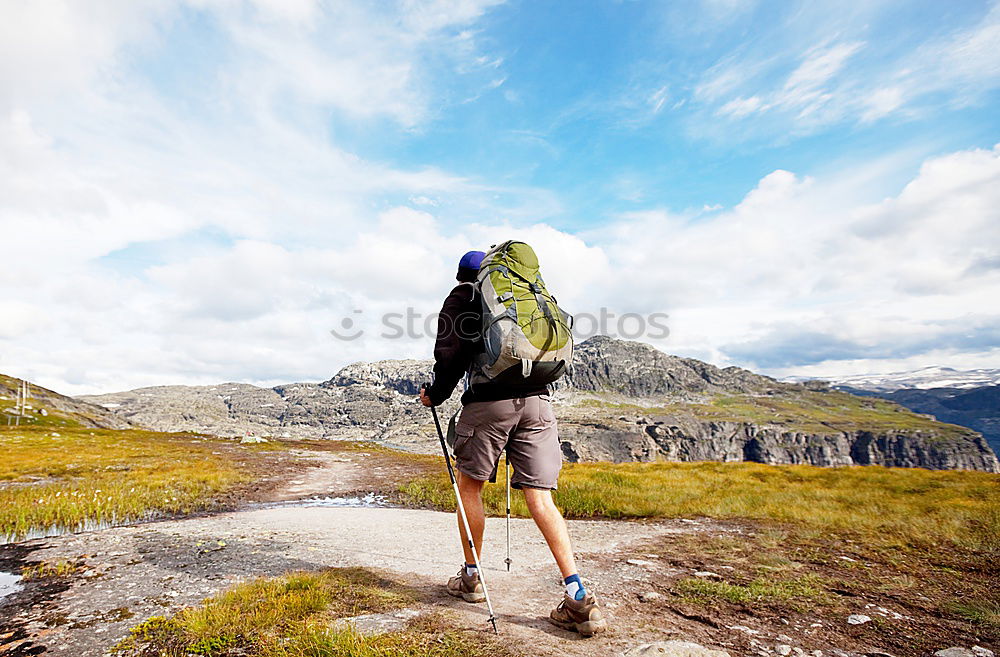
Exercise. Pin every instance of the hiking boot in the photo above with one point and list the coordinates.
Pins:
(467, 587)
(583, 616)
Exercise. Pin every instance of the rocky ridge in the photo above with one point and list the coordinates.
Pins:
(622, 401)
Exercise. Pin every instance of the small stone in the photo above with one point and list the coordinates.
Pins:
(374, 624)
(706, 573)
(649, 596)
(798, 651)
(674, 648)
(784, 638)
(980, 651)
(858, 619)
(744, 629)
(843, 558)
(955, 652)
(783, 649)
(640, 562)
(817, 653)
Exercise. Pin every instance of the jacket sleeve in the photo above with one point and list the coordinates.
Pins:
(451, 354)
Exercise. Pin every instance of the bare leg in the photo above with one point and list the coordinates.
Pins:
(546, 515)
(471, 491)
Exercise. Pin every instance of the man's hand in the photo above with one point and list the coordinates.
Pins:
(424, 399)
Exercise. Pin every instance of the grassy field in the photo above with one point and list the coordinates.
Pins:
(805, 410)
(907, 507)
(290, 616)
(70, 477)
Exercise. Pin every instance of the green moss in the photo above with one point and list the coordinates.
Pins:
(794, 591)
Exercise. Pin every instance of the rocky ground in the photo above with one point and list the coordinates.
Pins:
(127, 574)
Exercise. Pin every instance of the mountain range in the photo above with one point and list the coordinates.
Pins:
(622, 401)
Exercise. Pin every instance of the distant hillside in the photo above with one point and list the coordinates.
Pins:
(623, 401)
(976, 408)
(47, 408)
(921, 379)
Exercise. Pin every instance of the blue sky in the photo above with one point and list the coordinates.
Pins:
(199, 191)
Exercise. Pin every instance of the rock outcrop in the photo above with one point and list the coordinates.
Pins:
(622, 401)
(635, 369)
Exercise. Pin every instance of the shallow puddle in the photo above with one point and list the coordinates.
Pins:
(366, 501)
(9, 583)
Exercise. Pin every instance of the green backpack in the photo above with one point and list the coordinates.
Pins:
(527, 337)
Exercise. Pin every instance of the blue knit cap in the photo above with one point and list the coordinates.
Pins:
(471, 260)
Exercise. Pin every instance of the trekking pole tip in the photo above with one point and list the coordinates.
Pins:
(494, 621)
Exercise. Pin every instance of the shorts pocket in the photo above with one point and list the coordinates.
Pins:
(546, 414)
(463, 432)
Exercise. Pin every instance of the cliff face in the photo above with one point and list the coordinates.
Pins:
(623, 401)
(694, 440)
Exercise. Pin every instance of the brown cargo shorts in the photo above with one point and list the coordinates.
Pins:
(526, 427)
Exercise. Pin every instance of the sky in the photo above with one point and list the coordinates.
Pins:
(201, 191)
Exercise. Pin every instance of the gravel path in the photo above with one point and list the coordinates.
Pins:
(157, 568)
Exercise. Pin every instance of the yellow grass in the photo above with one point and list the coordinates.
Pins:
(71, 477)
(291, 616)
(46, 569)
(890, 506)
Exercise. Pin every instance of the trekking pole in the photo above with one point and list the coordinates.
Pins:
(465, 519)
(506, 479)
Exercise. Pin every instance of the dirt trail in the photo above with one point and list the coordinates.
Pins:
(156, 568)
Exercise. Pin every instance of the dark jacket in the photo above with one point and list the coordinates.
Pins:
(458, 342)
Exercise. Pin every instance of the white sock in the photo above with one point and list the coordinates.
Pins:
(470, 570)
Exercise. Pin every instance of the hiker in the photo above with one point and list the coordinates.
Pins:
(515, 416)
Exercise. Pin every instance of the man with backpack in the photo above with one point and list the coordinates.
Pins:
(509, 357)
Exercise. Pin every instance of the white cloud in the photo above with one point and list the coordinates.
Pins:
(738, 107)
(797, 273)
(851, 79)
(145, 245)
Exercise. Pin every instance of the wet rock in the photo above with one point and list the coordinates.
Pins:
(674, 648)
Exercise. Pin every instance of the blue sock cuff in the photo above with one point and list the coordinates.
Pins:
(580, 592)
